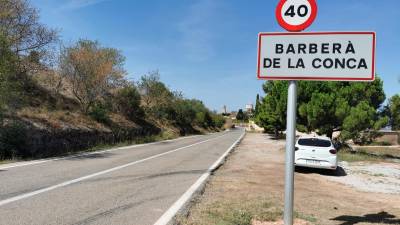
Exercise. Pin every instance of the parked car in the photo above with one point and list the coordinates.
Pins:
(315, 152)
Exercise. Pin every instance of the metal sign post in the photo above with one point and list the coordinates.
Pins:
(323, 56)
(290, 142)
(293, 15)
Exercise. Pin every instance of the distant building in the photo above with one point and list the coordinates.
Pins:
(249, 108)
(386, 129)
(224, 110)
(233, 115)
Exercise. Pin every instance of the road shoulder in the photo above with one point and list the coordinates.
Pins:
(248, 189)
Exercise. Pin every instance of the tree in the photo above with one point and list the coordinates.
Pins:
(9, 85)
(218, 120)
(92, 70)
(202, 115)
(184, 112)
(394, 108)
(204, 119)
(272, 112)
(361, 118)
(19, 23)
(157, 98)
(257, 107)
(240, 115)
(127, 102)
(326, 107)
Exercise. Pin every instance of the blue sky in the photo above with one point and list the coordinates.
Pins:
(207, 48)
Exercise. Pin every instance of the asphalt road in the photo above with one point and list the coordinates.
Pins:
(133, 185)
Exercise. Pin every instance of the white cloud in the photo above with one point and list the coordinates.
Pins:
(77, 4)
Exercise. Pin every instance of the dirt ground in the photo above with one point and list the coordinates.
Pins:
(255, 173)
(371, 177)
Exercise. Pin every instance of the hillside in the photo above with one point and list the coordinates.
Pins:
(50, 123)
(54, 102)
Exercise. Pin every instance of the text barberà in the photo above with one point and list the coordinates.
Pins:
(301, 49)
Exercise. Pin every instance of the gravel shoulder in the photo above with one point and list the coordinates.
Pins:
(371, 177)
(248, 189)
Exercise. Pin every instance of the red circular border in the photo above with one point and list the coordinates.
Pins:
(301, 27)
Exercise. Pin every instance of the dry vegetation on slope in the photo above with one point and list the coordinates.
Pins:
(57, 102)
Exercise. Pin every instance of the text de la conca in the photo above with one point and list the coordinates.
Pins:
(343, 56)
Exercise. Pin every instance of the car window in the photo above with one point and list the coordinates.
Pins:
(314, 142)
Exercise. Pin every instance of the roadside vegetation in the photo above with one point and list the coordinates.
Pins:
(392, 110)
(326, 107)
(239, 212)
(353, 110)
(56, 100)
(372, 154)
(388, 152)
(358, 157)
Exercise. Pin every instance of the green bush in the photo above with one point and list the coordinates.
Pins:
(184, 112)
(99, 113)
(163, 112)
(218, 120)
(204, 119)
(128, 102)
(13, 141)
(10, 84)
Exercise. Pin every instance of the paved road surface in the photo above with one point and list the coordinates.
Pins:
(134, 185)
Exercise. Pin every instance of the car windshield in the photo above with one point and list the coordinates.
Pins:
(314, 142)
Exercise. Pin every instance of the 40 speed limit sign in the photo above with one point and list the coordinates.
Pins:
(296, 15)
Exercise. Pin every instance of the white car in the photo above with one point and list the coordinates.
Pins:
(315, 152)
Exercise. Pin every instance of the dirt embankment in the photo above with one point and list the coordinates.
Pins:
(49, 123)
(249, 188)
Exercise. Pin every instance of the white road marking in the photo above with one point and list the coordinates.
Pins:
(174, 209)
(40, 161)
(66, 183)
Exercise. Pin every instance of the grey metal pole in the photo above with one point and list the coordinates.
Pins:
(290, 142)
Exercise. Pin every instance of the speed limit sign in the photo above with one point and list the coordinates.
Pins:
(296, 15)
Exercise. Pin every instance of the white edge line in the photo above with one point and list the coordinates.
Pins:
(178, 205)
(66, 183)
(40, 161)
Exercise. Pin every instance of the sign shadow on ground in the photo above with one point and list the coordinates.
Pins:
(379, 218)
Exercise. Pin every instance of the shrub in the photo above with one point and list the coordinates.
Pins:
(218, 120)
(204, 119)
(92, 70)
(158, 99)
(99, 113)
(128, 102)
(184, 112)
(13, 141)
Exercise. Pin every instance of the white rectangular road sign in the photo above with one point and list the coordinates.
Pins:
(338, 56)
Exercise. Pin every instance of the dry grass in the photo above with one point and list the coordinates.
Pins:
(52, 81)
(357, 157)
(234, 211)
(248, 189)
(237, 194)
(7, 161)
(59, 119)
(382, 151)
(370, 154)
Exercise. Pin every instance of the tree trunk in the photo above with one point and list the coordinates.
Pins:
(329, 134)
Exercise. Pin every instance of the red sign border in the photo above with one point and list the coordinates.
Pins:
(300, 27)
(315, 78)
